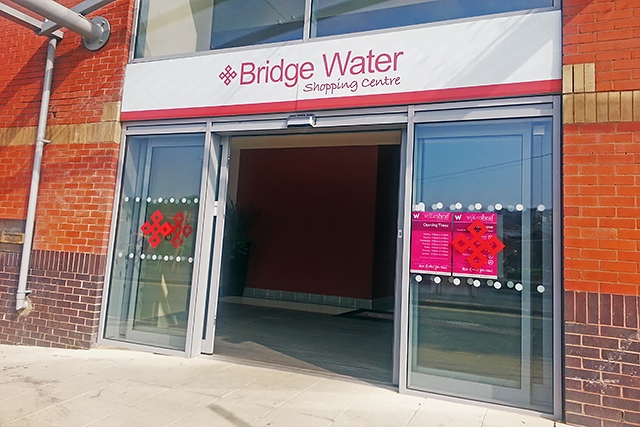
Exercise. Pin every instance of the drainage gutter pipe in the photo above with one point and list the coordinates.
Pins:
(22, 293)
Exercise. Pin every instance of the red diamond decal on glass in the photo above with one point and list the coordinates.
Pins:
(174, 232)
(477, 244)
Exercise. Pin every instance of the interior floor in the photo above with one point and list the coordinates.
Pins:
(329, 340)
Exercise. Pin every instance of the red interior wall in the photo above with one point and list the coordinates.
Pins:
(314, 218)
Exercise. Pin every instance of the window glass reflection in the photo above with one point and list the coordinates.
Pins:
(332, 17)
(249, 22)
(172, 27)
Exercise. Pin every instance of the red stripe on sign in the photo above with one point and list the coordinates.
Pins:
(544, 87)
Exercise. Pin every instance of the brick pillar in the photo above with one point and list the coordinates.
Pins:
(601, 149)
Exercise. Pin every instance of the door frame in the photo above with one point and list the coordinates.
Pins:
(351, 120)
(156, 129)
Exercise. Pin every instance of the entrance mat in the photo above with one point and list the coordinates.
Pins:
(378, 316)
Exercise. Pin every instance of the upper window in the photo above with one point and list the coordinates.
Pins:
(172, 27)
(248, 22)
(331, 17)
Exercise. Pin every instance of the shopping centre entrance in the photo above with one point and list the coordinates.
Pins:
(277, 239)
(309, 252)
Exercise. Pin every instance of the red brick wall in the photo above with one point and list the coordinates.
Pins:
(77, 181)
(82, 81)
(602, 207)
(602, 359)
(76, 197)
(602, 218)
(606, 33)
(67, 290)
(16, 163)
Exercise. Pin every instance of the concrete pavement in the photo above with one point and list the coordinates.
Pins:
(111, 387)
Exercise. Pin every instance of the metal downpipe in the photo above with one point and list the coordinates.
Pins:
(21, 295)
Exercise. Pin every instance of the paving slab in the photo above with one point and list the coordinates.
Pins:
(111, 387)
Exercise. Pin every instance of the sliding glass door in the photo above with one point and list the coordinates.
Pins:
(481, 273)
(155, 247)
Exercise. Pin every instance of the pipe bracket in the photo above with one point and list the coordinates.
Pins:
(97, 44)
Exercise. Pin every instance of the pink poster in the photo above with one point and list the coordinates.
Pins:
(476, 245)
(431, 242)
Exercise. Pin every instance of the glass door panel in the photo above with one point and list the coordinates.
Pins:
(481, 262)
(153, 262)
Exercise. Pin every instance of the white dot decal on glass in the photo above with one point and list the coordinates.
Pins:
(452, 207)
(154, 201)
(195, 200)
(159, 199)
(540, 288)
(137, 199)
(478, 206)
(439, 205)
(497, 285)
(418, 278)
(190, 260)
(437, 279)
(170, 257)
(434, 207)
(166, 258)
(126, 199)
(489, 282)
(476, 283)
(456, 281)
(148, 199)
(131, 255)
(519, 207)
(184, 200)
(171, 200)
(458, 205)
(519, 287)
(498, 206)
(142, 256)
(541, 208)
(422, 207)
(471, 207)
(178, 259)
(154, 257)
(511, 208)
(491, 208)
(510, 284)
(119, 254)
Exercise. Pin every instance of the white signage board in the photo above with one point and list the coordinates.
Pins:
(493, 57)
